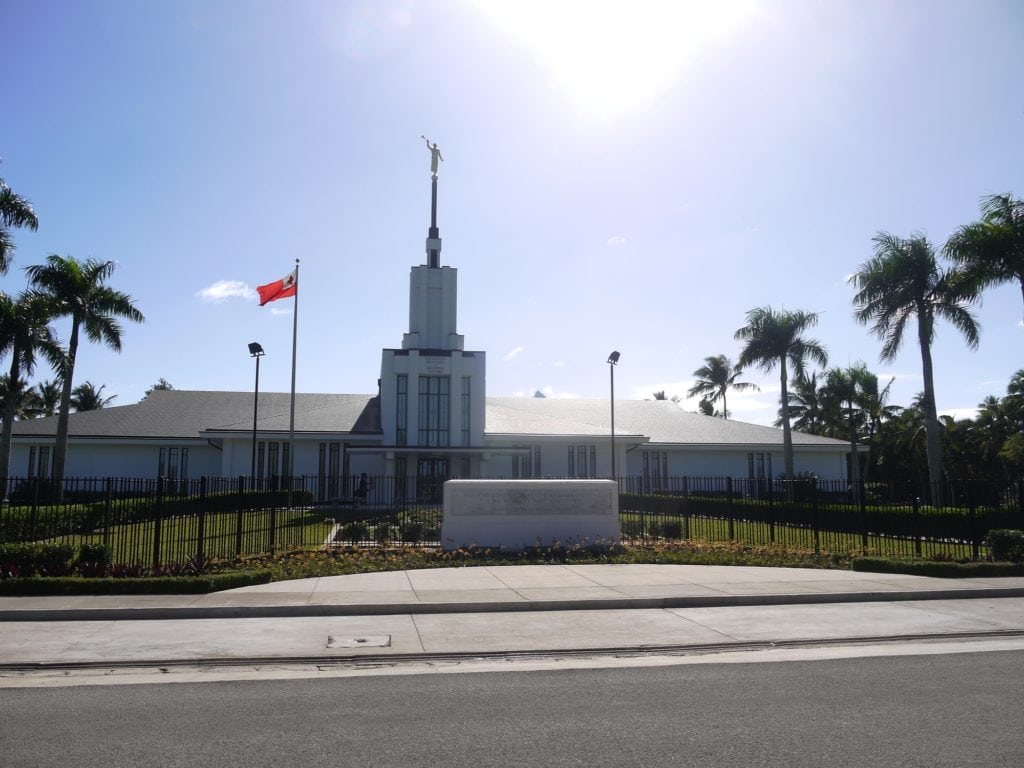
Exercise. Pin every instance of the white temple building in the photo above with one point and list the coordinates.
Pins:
(429, 420)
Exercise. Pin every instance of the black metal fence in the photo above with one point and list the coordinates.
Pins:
(162, 521)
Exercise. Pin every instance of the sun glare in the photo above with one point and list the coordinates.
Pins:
(613, 57)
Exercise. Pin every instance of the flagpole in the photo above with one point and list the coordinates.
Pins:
(291, 416)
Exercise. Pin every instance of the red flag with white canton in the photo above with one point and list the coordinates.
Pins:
(279, 289)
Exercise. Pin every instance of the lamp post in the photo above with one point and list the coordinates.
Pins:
(255, 350)
(613, 359)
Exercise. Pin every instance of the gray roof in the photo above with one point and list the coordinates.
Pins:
(185, 414)
(661, 420)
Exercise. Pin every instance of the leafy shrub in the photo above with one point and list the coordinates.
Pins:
(1005, 545)
(384, 533)
(412, 532)
(357, 531)
(671, 529)
(30, 559)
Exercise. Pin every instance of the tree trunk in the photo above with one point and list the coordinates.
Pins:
(60, 450)
(787, 434)
(8, 425)
(933, 442)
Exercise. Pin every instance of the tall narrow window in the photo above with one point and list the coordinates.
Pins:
(434, 411)
(321, 483)
(593, 461)
(172, 463)
(161, 467)
(333, 470)
(536, 461)
(572, 466)
(261, 450)
(44, 461)
(581, 461)
(31, 462)
(272, 468)
(402, 411)
(465, 409)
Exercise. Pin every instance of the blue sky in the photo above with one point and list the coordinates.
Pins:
(621, 176)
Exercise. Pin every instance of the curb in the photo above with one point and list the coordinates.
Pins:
(382, 609)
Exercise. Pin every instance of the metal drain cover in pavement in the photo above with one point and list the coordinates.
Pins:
(365, 641)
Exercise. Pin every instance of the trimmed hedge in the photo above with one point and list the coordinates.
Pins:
(937, 569)
(157, 585)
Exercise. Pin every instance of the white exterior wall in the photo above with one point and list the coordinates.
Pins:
(111, 458)
(732, 462)
(414, 363)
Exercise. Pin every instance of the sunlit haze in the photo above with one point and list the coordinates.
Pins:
(630, 176)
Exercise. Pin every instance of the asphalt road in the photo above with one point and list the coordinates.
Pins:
(949, 710)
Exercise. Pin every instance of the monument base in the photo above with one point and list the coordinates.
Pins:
(516, 514)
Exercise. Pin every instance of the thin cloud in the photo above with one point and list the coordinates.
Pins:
(617, 240)
(222, 290)
(513, 354)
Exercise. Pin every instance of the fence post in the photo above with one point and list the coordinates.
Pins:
(686, 508)
(201, 533)
(814, 516)
(158, 521)
(107, 509)
(238, 515)
(771, 512)
(33, 520)
(973, 519)
(271, 535)
(863, 509)
(728, 491)
(917, 526)
(1020, 500)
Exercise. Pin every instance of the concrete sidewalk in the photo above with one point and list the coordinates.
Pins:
(433, 619)
(516, 588)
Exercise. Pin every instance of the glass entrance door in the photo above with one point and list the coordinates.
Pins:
(430, 476)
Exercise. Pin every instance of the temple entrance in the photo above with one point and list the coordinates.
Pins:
(430, 476)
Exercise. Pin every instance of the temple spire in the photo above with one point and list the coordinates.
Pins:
(433, 234)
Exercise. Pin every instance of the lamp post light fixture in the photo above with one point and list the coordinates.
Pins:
(613, 360)
(255, 350)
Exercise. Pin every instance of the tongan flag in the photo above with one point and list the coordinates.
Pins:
(279, 289)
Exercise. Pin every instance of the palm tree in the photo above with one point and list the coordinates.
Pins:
(805, 408)
(774, 339)
(163, 385)
(87, 397)
(991, 251)
(15, 211)
(78, 290)
(46, 398)
(24, 397)
(846, 391)
(715, 378)
(901, 281)
(877, 411)
(24, 332)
